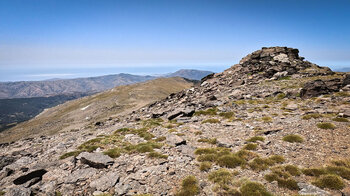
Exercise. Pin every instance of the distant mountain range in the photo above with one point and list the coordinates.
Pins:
(27, 89)
(343, 69)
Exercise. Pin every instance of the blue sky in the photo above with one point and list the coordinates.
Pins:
(71, 38)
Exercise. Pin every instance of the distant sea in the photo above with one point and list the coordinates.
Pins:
(8, 74)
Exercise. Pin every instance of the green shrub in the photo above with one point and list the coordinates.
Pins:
(206, 140)
(227, 115)
(341, 171)
(342, 162)
(207, 157)
(325, 125)
(157, 155)
(266, 119)
(338, 119)
(211, 120)
(292, 170)
(198, 133)
(329, 181)
(250, 146)
(2, 193)
(221, 177)
(230, 161)
(283, 177)
(280, 96)
(113, 153)
(189, 187)
(210, 111)
(254, 189)
(153, 122)
(260, 164)
(314, 171)
(160, 139)
(342, 94)
(256, 138)
(313, 115)
(69, 154)
(293, 138)
(200, 151)
(205, 166)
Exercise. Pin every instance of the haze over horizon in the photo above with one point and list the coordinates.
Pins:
(42, 39)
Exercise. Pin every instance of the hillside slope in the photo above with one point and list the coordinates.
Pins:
(14, 111)
(26, 89)
(274, 124)
(87, 110)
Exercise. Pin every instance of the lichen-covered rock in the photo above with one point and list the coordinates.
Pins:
(96, 160)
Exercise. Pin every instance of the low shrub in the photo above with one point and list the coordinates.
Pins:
(338, 119)
(256, 138)
(205, 166)
(250, 146)
(189, 187)
(157, 155)
(210, 111)
(211, 120)
(329, 181)
(70, 154)
(206, 140)
(313, 115)
(293, 138)
(253, 189)
(230, 161)
(113, 153)
(326, 125)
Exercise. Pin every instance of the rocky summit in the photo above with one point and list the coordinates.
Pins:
(274, 124)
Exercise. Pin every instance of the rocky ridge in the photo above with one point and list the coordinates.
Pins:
(274, 119)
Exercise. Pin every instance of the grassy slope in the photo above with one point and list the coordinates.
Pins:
(119, 100)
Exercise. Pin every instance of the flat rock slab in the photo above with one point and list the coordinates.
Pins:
(105, 182)
(308, 189)
(81, 175)
(96, 159)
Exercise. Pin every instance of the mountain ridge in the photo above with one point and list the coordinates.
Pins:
(274, 124)
(27, 89)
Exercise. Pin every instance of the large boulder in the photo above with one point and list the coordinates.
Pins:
(313, 89)
(96, 159)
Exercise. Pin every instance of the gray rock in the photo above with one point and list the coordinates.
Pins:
(224, 142)
(5, 160)
(105, 182)
(308, 189)
(175, 140)
(133, 139)
(291, 106)
(96, 160)
(283, 58)
(18, 191)
(80, 175)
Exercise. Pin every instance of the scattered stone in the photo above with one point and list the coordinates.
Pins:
(96, 160)
(5, 160)
(80, 175)
(18, 191)
(175, 140)
(105, 182)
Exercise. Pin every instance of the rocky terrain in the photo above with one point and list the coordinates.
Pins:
(274, 124)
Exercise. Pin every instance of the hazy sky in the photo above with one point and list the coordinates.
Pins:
(124, 34)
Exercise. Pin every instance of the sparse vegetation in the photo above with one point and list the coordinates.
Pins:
(339, 119)
(205, 166)
(143, 132)
(293, 138)
(210, 111)
(283, 176)
(2, 193)
(143, 147)
(153, 122)
(253, 189)
(280, 96)
(250, 146)
(326, 125)
(222, 178)
(329, 181)
(189, 187)
(256, 138)
(260, 164)
(157, 155)
(113, 153)
(209, 141)
(227, 115)
(266, 119)
(69, 154)
(160, 139)
(198, 133)
(211, 120)
(314, 171)
(230, 161)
